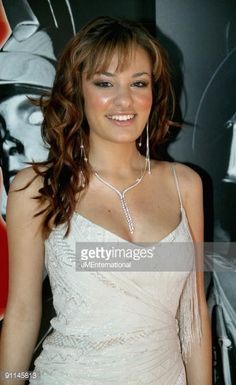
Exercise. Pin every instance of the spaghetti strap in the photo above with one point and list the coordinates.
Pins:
(177, 184)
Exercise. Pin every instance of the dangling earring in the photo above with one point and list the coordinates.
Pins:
(82, 156)
(81, 179)
(140, 141)
(82, 151)
(147, 149)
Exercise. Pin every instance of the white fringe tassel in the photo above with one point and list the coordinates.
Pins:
(189, 317)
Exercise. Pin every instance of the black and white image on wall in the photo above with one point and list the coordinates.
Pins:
(27, 69)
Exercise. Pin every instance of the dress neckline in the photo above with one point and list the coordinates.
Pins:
(77, 215)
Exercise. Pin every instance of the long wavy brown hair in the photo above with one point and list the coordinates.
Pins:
(66, 173)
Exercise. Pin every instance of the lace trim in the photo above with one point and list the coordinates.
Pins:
(60, 340)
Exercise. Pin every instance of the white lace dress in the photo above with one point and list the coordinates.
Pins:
(116, 328)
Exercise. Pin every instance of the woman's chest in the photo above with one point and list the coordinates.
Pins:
(152, 215)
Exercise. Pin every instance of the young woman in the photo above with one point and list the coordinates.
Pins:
(108, 110)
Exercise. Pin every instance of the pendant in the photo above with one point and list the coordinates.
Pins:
(121, 195)
(127, 214)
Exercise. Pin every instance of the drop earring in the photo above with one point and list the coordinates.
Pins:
(140, 141)
(81, 179)
(147, 149)
(82, 151)
(82, 156)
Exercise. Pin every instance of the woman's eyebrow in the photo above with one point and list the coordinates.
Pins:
(109, 74)
(135, 75)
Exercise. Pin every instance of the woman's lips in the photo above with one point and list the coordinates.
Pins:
(122, 119)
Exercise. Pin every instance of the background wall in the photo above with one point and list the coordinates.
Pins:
(201, 40)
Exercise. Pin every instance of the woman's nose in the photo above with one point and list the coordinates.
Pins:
(123, 97)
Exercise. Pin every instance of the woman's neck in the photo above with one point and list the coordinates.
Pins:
(116, 159)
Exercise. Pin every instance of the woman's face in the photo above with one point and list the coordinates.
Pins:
(117, 104)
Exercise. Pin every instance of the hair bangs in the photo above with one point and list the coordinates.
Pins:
(104, 52)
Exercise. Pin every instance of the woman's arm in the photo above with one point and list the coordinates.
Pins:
(26, 261)
(199, 364)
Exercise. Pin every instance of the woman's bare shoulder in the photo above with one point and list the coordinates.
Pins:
(26, 176)
(185, 173)
(24, 187)
(189, 180)
(192, 196)
(190, 183)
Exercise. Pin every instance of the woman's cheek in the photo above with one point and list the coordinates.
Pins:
(145, 101)
(97, 100)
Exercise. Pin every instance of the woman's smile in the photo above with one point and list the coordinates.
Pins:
(122, 119)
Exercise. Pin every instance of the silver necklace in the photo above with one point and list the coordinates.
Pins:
(121, 195)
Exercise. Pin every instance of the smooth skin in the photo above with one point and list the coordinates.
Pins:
(154, 205)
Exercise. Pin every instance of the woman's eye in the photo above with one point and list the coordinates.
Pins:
(140, 84)
(103, 84)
